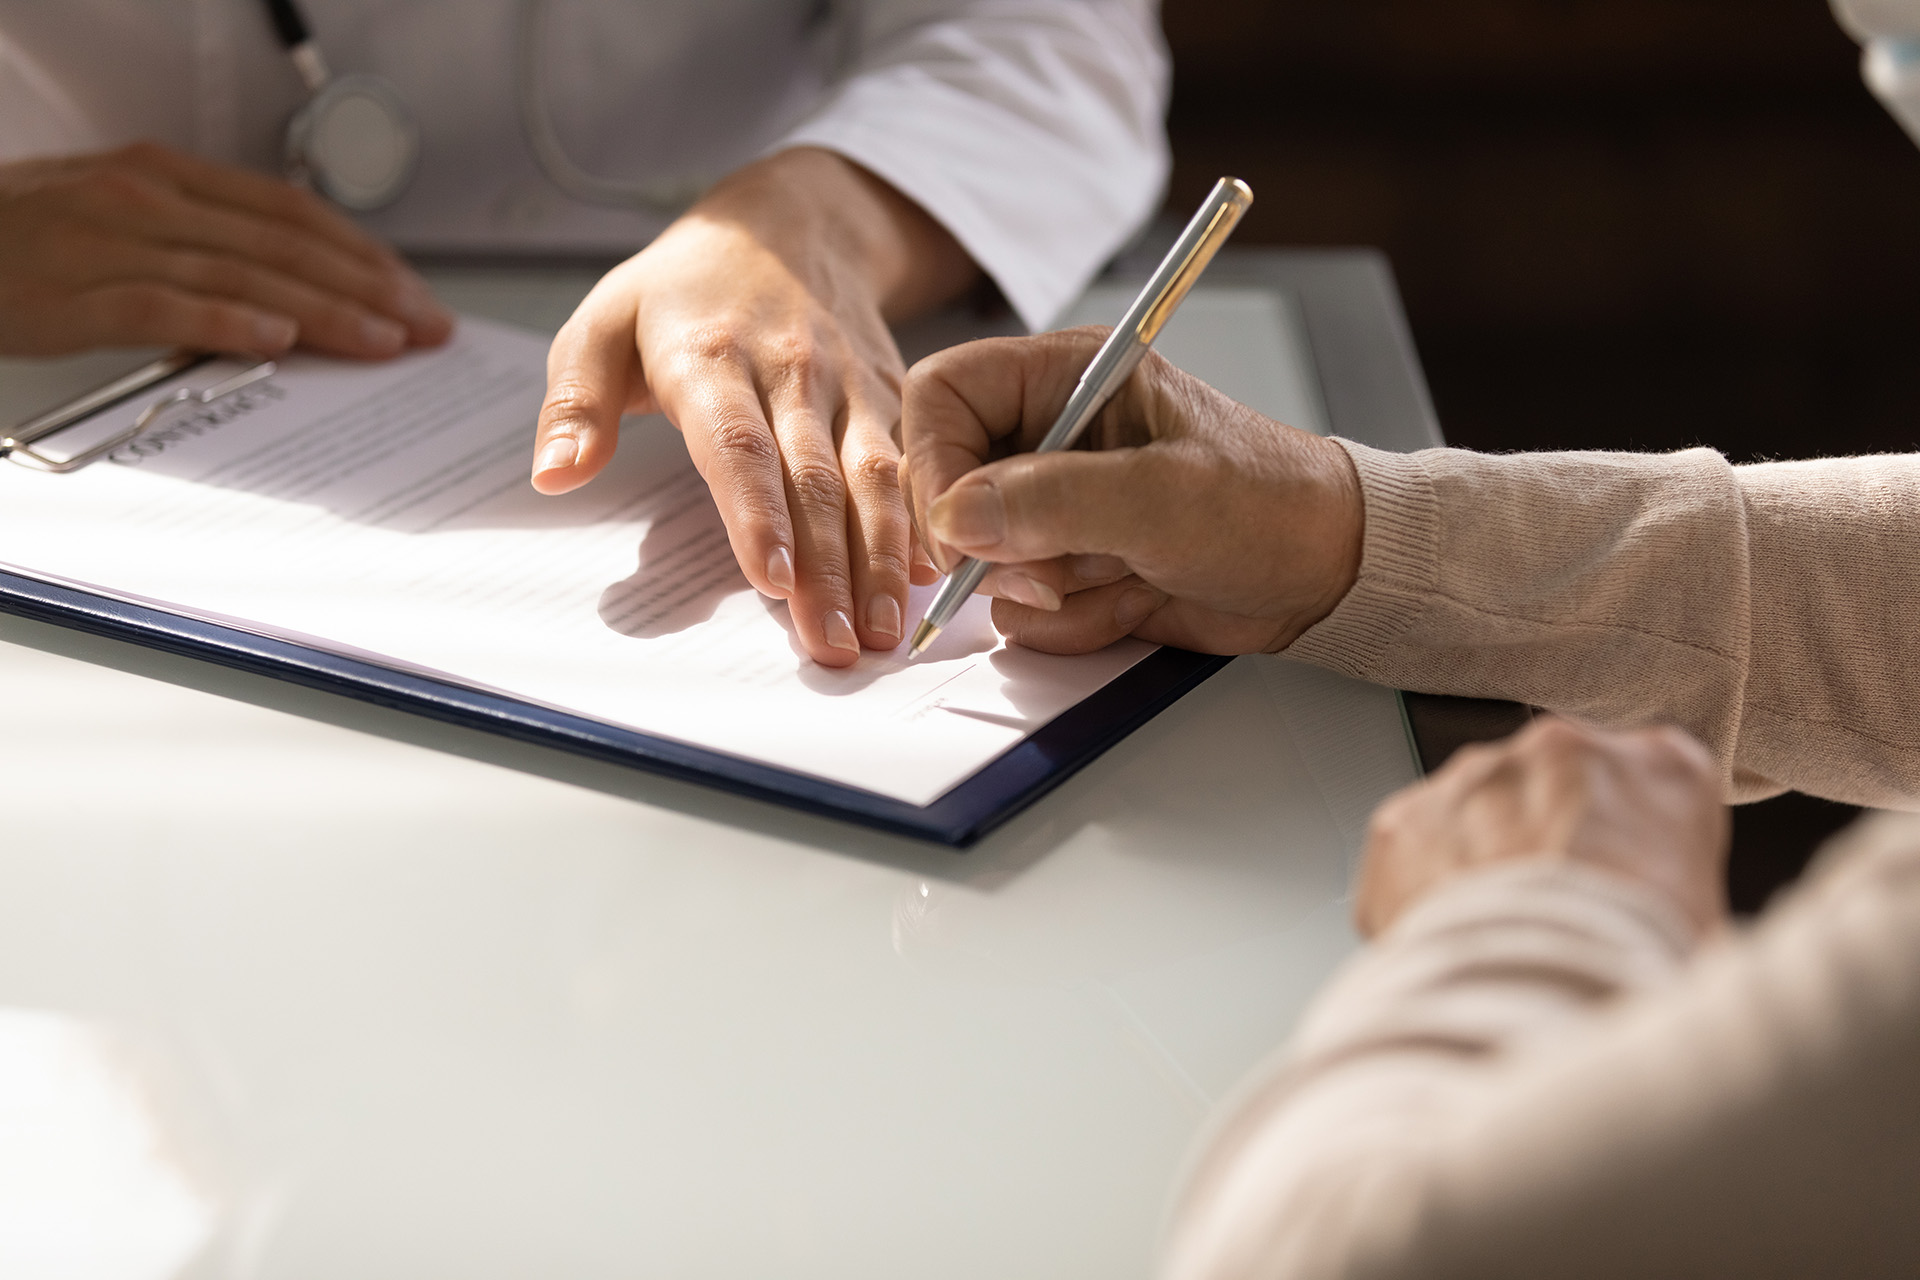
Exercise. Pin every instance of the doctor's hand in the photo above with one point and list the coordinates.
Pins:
(147, 246)
(1191, 520)
(1644, 805)
(757, 324)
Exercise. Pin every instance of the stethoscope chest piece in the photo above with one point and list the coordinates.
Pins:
(355, 142)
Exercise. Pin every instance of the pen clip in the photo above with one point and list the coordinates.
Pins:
(1219, 227)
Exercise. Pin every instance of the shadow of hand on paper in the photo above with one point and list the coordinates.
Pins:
(1028, 683)
(686, 569)
(1029, 679)
(832, 681)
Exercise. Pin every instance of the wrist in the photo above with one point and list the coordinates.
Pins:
(1399, 565)
(839, 227)
(1341, 529)
(1326, 530)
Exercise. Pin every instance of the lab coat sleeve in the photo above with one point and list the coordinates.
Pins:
(36, 117)
(1031, 129)
(1879, 19)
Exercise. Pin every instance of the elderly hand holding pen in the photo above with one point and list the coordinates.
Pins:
(1188, 520)
(1193, 520)
(1552, 1057)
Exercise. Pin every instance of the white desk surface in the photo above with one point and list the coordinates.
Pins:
(292, 987)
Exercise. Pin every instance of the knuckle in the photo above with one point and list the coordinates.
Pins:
(1557, 737)
(922, 374)
(569, 400)
(743, 438)
(872, 472)
(712, 343)
(828, 583)
(1385, 821)
(792, 365)
(787, 350)
(1391, 814)
(1473, 755)
(816, 485)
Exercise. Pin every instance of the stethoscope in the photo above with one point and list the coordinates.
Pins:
(356, 143)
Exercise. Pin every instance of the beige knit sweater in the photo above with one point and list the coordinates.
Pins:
(1540, 1071)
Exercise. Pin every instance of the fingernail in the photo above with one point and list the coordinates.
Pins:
(780, 568)
(972, 515)
(1134, 606)
(1029, 591)
(883, 616)
(377, 333)
(1098, 568)
(839, 631)
(557, 454)
(274, 333)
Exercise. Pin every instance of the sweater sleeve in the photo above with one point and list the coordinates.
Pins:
(1031, 129)
(1770, 610)
(1526, 1076)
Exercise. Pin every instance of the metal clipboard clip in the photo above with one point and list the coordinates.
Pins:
(19, 446)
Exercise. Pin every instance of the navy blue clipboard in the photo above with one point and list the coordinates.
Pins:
(983, 801)
(1369, 377)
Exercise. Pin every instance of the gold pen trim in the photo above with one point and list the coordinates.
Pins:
(1219, 227)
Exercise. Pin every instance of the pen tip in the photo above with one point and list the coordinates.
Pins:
(922, 637)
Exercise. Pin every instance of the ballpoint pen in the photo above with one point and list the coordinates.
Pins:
(1112, 365)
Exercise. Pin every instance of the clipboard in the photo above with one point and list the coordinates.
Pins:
(1371, 388)
(996, 792)
(1005, 786)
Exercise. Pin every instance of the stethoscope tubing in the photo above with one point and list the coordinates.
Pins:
(295, 34)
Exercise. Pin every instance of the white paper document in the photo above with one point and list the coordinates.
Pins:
(384, 511)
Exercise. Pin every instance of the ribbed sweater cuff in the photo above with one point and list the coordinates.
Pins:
(1398, 564)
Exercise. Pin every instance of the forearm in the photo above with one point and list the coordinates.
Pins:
(1836, 627)
(1521, 1081)
(1321, 1169)
(1763, 609)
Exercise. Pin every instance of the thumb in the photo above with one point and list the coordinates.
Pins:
(1038, 506)
(590, 368)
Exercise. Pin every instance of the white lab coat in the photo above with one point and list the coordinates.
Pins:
(1889, 35)
(1032, 129)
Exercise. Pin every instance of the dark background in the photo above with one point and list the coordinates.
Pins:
(1641, 224)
